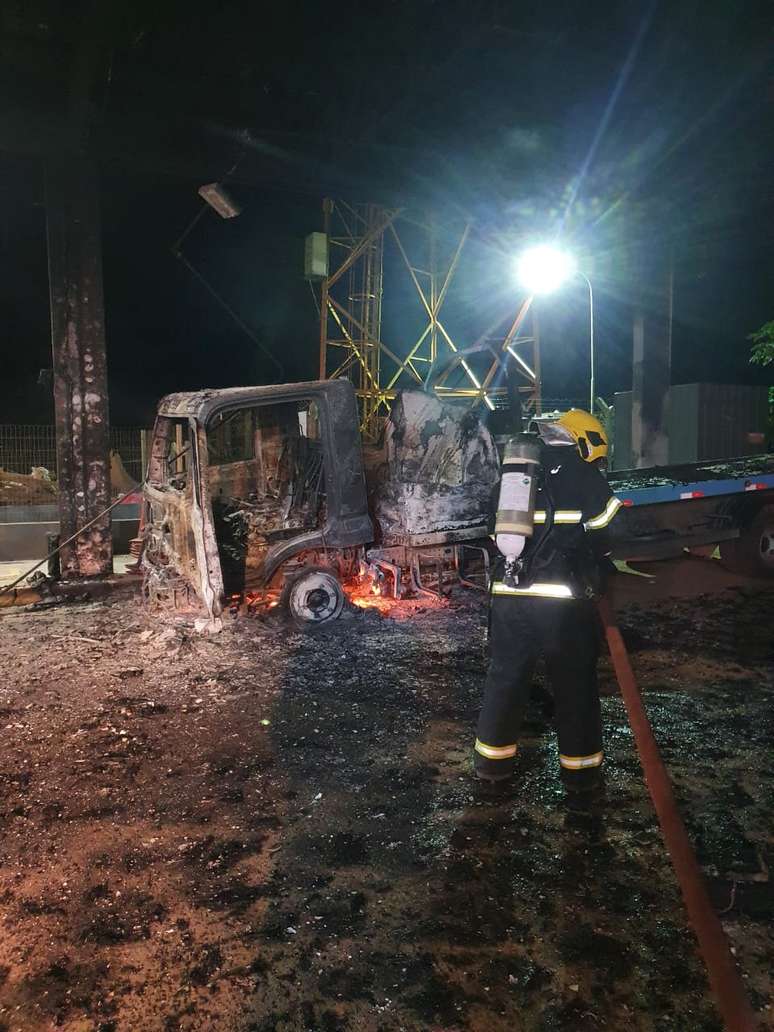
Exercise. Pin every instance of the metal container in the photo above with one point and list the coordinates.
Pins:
(716, 421)
(706, 421)
(316, 256)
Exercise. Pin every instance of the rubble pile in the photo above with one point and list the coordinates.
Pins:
(35, 488)
(274, 829)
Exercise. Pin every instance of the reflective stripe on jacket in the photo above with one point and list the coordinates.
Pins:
(563, 562)
(541, 589)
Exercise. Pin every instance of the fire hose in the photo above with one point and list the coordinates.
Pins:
(723, 976)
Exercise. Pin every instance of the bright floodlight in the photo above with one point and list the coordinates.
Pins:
(542, 269)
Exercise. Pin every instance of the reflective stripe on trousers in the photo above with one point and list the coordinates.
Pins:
(581, 762)
(566, 634)
(496, 752)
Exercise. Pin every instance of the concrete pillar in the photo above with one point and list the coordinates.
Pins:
(652, 364)
(79, 361)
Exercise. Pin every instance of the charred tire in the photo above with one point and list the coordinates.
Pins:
(314, 597)
(753, 552)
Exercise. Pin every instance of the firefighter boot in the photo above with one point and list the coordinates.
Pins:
(584, 790)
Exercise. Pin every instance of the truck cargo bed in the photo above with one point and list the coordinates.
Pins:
(694, 480)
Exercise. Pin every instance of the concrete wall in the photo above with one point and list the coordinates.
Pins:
(24, 530)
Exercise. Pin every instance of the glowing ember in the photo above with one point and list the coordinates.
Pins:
(253, 602)
(384, 605)
(367, 595)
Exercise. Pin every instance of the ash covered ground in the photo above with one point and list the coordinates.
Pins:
(278, 830)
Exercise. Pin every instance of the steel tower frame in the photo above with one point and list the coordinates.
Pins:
(351, 300)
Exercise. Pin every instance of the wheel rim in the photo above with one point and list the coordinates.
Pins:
(316, 597)
(318, 600)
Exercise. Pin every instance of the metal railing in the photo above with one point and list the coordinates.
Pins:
(562, 404)
(129, 442)
(549, 404)
(24, 448)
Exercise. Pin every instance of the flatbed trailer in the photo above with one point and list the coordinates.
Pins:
(725, 503)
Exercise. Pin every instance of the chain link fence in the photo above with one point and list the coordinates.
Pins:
(28, 467)
(129, 443)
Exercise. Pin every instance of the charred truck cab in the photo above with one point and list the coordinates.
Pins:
(249, 482)
(261, 493)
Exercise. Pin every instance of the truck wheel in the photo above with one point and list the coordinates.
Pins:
(314, 596)
(753, 552)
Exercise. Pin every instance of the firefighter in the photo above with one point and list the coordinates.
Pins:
(550, 610)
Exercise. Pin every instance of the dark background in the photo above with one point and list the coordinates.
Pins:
(631, 130)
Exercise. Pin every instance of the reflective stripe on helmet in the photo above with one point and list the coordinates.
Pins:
(601, 521)
(537, 589)
(495, 752)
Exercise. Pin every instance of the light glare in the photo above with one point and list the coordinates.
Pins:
(543, 269)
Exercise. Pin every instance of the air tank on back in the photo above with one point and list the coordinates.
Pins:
(515, 520)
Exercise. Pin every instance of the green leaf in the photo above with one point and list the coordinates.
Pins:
(762, 350)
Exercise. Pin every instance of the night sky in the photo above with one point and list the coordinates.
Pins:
(620, 128)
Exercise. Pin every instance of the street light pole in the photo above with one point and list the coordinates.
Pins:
(542, 270)
(591, 337)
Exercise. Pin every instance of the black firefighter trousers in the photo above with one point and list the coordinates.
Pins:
(566, 632)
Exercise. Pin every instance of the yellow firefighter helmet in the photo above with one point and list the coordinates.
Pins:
(588, 432)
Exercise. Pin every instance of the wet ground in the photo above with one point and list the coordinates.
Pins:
(274, 830)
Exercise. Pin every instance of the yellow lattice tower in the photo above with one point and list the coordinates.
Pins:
(351, 296)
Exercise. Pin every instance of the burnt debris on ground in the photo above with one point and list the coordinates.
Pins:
(271, 829)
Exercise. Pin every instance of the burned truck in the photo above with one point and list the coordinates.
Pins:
(263, 495)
